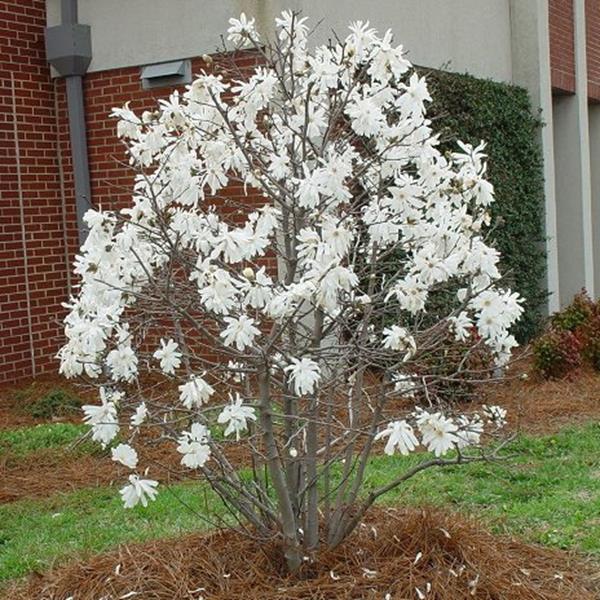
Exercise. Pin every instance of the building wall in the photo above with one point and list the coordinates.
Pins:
(562, 45)
(534, 43)
(592, 20)
(469, 35)
(33, 276)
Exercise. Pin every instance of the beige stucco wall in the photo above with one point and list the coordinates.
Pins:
(594, 125)
(462, 35)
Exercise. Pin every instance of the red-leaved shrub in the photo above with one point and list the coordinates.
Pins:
(557, 353)
(573, 336)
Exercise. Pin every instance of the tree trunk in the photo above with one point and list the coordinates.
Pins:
(291, 547)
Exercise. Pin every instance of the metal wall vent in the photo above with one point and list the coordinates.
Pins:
(167, 74)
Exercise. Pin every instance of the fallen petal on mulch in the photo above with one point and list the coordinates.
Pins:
(396, 554)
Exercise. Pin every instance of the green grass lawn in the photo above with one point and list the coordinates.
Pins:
(25, 440)
(550, 494)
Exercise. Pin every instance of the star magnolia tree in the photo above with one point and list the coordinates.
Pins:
(341, 170)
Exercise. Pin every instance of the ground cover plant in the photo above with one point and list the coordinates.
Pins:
(339, 166)
(47, 398)
(56, 403)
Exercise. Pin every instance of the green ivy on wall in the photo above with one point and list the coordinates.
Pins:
(471, 110)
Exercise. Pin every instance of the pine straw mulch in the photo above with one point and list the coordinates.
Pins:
(46, 472)
(535, 406)
(395, 552)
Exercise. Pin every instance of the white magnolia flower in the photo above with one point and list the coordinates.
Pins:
(169, 356)
(241, 30)
(495, 415)
(438, 432)
(259, 292)
(366, 117)
(469, 431)
(138, 491)
(194, 446)
(304, 375)
(240, 332)
(405, 384)
(140, 414)
(398, 338)
(123, 363)
(400, 436)
(102, 418)
(462, 326)
(236, 416)
(195, 392)
(410, 293)
(126, 455)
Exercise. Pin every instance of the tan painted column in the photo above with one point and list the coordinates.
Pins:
(594, 124)
(573, 176)
(531, 69)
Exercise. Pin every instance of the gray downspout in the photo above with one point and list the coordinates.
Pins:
(69, 51)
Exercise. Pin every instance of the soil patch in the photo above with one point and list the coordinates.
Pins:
(392, 555)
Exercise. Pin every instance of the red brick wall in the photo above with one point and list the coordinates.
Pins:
(22, 56)
(562, 46)
(592, 20)
(111, 179)
(43, 136)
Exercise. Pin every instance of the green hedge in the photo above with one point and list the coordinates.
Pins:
(471, 110)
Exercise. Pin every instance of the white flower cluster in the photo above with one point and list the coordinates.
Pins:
(337, 198)
(434, 207)
(439, 434)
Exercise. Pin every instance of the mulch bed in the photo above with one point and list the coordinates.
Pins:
(395, 552)
(46, 472)
(43, 473)
(539, 407)
(51, 471)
